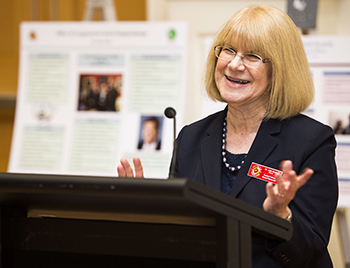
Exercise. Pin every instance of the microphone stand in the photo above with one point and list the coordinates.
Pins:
(171, 113)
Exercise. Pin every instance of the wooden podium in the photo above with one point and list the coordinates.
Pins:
(79, 221)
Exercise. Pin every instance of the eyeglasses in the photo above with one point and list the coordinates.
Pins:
(228, 54)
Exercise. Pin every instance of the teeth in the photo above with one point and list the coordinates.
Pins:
(241, 81)
(238, 81)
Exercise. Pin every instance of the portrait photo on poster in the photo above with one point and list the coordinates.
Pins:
(150, 133)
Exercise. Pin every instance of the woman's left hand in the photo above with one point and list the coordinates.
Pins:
(124, 169)
(279, 195)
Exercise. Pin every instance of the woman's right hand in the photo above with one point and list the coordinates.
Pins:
(124, 169)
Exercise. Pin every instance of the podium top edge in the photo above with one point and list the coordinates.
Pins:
(70, 183)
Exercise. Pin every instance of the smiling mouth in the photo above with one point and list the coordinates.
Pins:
(237, 80)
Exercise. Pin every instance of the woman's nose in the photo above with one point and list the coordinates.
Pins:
(237, 62)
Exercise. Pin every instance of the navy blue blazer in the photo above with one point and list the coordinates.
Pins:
(304, 141)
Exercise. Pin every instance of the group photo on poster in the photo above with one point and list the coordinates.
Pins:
(100, 92)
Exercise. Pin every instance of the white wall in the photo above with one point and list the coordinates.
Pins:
(205, 17)
(333, 17)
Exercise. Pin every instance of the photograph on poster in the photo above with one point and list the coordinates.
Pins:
(340, 122)
(150, 133)
(100, 92)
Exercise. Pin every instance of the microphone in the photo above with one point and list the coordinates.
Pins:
(171, 113)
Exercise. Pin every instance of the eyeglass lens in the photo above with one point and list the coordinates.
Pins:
(229, 54)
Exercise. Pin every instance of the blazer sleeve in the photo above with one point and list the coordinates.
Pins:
(314, 204)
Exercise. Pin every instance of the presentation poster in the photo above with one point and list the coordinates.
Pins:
(91, 93)
(329, 59)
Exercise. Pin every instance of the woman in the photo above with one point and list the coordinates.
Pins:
(259, 68)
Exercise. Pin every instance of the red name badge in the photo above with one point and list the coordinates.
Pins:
(263, 172)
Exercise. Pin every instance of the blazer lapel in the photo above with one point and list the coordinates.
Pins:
(261, 148)
(211, 153)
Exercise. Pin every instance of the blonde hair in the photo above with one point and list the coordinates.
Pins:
(271, 32)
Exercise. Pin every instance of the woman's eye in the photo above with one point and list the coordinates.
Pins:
(252, 57)
(229, 50)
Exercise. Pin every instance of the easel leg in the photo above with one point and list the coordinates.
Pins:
(344, 235)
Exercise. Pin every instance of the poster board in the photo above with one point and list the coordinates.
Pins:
(329, 59)
(85, 90)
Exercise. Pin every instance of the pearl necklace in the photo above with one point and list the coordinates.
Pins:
(224, 130)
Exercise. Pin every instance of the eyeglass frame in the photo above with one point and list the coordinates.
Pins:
(234, 54)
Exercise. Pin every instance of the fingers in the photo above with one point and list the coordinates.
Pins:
(305, 176)
(286, 182)
(138, 167)
(286, 165)
(289, 182)
(274, 203)
(124, 169)
(270, 189)
(291, 177)
(120, 170)
(283, 192)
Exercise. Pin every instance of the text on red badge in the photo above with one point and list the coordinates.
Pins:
(264, 173)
